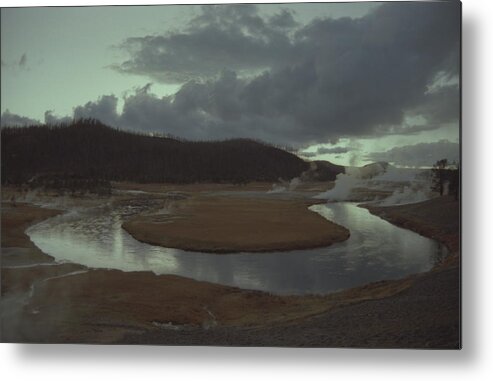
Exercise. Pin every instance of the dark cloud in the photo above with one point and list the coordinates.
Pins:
(12, 120)
(283, 19)
(52, 119)
(103, 109)
(405, 129)
(270, 78)
(201, 111)
(440, 106)
(302, 84)
(419, 155)
(230, 37)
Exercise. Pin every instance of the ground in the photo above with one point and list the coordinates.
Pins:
(437, 218)
(39, 304)
(230, 224)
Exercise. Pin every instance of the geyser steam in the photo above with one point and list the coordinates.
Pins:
(373, 180)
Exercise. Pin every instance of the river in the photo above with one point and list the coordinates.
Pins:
(376, 250)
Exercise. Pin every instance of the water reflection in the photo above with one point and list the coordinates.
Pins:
(376, 250)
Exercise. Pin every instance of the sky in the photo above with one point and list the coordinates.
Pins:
(351, 83)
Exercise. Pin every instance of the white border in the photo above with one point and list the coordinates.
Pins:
(32, 3)
(135, 363)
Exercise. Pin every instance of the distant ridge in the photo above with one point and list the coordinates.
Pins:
(322, 170)
(91, 149)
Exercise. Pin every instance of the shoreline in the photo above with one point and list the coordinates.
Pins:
(14, 237)
(76, 288)
(228, 225)
(86, 316)
(437, 219)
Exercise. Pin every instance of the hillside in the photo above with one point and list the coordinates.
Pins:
(322, 170)
(87, 148)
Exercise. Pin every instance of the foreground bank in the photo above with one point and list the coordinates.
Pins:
(425, 313)
(44, 301)
(68, 305)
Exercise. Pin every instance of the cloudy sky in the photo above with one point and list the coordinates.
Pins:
(350, 82)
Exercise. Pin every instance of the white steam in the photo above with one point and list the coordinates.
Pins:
(342, 190)
(45, 199)
(407, 195)
(382, 183)
(285, 186)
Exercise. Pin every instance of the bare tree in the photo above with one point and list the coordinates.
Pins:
(454, 180)
(439, 176)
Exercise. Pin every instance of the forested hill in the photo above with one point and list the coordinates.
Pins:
(87, 148)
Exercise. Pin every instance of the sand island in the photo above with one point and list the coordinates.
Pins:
(236, 224)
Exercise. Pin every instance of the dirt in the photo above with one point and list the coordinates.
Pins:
(17, 219)
(425, 313)
(214, 187)
(237, 224)
(426, 316)
(109, 306)
(75, 309)
(49, 302)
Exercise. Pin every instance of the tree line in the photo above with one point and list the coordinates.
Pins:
(87, 148)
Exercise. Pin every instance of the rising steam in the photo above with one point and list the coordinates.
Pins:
(285, 186)
(382, 183)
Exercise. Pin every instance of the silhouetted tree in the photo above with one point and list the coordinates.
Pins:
(454, 180)
(445, 173)
(87, 149)
(439, 176)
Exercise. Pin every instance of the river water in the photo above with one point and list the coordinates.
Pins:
(376, 250)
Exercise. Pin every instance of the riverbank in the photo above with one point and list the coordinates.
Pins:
(236, 224)
(68, 304)
(133, 302)
(142, 303)
(425, 313)
(15, 221)
(438, 218)
(311, 186)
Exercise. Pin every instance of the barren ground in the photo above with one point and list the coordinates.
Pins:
(101, 306)
(234, 224)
